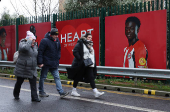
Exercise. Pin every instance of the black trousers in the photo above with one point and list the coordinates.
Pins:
(89, 74)
(33, 87)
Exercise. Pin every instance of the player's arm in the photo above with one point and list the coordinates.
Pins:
(141, 56)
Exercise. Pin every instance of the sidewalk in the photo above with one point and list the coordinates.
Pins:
(107, 87)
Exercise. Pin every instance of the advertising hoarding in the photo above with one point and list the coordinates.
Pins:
(7, 42)
(120, 51)
(69, 33)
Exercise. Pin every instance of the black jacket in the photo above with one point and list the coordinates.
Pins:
(78, 67)
(49, 52)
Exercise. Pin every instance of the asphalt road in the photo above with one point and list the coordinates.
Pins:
(111, 101)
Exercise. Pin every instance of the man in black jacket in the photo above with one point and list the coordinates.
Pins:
(49, 53)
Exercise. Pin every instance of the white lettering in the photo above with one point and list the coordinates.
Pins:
(89, 30)
(63, 38)
(76, 36)
(83, 32)
(68, 37)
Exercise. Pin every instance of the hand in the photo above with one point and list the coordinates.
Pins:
(30, 38)
(41, 65)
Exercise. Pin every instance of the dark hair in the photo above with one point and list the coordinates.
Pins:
(133, 19)
(2, 30)
(32, 29)
(87, 34)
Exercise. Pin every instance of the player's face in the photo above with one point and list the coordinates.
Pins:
(3, 38)
(130, 30)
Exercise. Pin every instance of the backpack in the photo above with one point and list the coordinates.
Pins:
(15, 57)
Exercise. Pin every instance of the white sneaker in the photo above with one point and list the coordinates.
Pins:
(97, 94)
(74, 93)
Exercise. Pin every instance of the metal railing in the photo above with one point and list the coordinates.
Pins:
(118, 71)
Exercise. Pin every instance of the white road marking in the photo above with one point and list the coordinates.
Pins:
(97, 101)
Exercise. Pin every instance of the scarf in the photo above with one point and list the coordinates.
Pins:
(89, 44)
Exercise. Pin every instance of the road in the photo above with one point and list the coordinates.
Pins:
(111, 101)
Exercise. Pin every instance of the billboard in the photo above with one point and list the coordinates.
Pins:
(7, 42)
(40, 30)
(69, 33)
(136, 40)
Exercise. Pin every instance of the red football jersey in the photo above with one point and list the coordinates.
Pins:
(3, 54)
(136, 56)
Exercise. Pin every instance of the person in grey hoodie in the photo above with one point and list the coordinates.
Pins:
(26, 66)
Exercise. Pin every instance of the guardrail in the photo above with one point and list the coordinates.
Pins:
(118, 71)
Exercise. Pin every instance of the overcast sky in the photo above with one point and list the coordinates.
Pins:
(18, 4)
(7, 4)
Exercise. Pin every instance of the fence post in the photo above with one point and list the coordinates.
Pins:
(118, 10)
(168, 31)
(17, 24)
(121, 9)
(111, 11)
(161, 4)
(141, 7)
(136, 7)
(93, 12)
(144, 6)
(148, 5)
(157, 5)
(4, 22)
(129, 9)
(153, 5)
(133, 8)
(102, 36)
(125, 9)
(54, 20)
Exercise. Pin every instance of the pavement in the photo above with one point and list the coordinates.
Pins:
(107, 87)
(111, 101)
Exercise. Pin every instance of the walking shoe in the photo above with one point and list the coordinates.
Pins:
(43, 94)
(74, 93)
(36, 100)
(97, 94)
(62, 95)
(17, 98)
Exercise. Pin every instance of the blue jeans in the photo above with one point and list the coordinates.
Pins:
(43, 76)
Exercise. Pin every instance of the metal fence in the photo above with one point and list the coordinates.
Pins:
(118, 71)
(97, 12)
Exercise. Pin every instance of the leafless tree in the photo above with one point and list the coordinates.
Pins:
(37, 8)
(14, 8)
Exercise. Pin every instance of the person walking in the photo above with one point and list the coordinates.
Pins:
(78, 71)
(26, 66)
(49, 53)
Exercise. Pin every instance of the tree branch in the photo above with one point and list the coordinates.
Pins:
(54, 7)
(25, 8)
(14, 8)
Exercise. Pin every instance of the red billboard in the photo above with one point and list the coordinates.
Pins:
(40, 30)
(69, 33)
(7, 42)
(136, 40)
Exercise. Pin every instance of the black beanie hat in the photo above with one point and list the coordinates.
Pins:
(54, 31)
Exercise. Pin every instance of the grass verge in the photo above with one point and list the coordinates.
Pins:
(144, 84)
